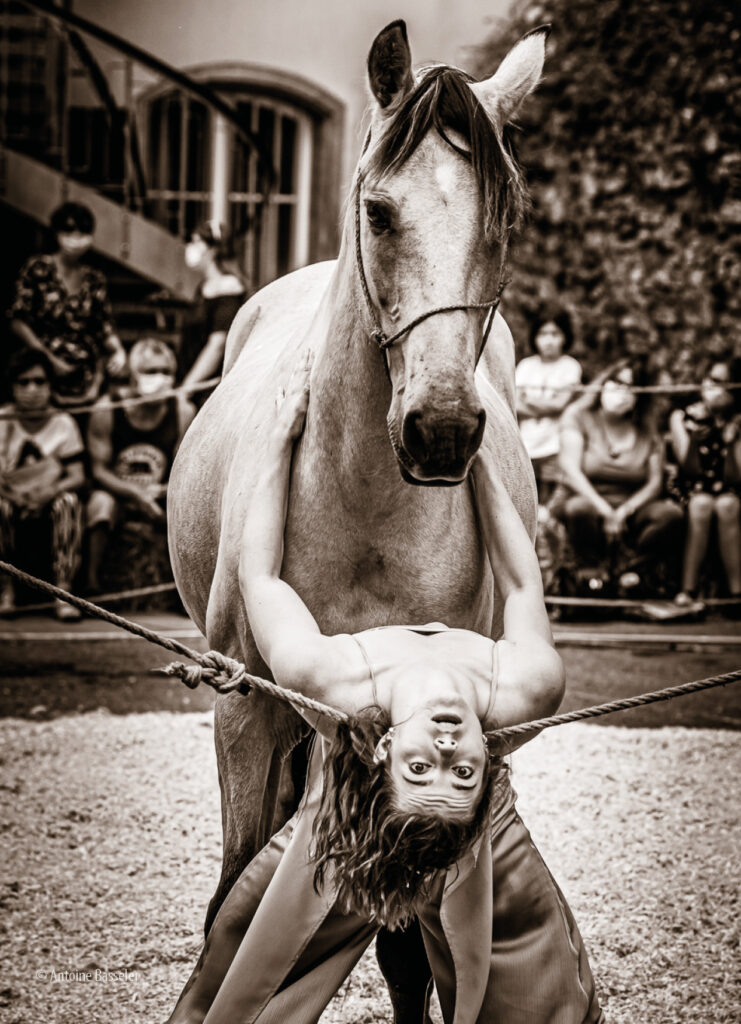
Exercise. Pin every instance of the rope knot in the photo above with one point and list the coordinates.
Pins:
(227, 674)
(223, 674)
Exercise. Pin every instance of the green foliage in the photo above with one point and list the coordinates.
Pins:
(632, 149)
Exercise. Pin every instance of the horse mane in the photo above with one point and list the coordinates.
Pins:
(443, 99)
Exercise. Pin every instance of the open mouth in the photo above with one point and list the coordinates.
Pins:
(447, 718)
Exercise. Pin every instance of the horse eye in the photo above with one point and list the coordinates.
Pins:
(379, 217)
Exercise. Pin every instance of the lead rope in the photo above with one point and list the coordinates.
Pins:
(226, 675)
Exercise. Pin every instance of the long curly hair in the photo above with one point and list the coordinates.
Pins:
(383, 858)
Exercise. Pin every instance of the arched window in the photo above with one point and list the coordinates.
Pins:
(200, 169)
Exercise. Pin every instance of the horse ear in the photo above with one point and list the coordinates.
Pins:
(516, 76)
(390, 64)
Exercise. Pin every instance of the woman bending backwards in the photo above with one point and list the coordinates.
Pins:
(408, 817)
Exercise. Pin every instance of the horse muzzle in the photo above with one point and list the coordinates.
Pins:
(437, 451)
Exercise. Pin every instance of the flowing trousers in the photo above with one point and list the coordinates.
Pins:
(538, 972)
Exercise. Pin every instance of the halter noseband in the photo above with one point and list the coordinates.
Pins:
(378, 334)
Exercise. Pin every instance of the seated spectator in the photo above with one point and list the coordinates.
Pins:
(613, 461)
(41, 470)
(706, 438)
(61, 308)
(544, 382)
(217, 300)
(132, 449)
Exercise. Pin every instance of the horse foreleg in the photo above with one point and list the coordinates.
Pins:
(403, 961)
(252, 735)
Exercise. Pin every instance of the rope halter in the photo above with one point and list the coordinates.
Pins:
(384, 340)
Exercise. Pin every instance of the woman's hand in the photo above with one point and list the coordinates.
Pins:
(292, 401)
(148, 505)
(61, 367)
(614, 523)
(731, 432)
(116, 363)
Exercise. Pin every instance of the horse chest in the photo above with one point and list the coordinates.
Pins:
(353, 578)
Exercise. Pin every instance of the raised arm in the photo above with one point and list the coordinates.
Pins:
(285, 631)
(529, 671)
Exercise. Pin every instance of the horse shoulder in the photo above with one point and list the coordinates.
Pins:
(242, 326)
(498, 360)
(278, 309)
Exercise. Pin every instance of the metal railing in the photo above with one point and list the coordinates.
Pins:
(81, 100)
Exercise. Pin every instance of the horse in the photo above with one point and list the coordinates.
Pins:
(413, 373)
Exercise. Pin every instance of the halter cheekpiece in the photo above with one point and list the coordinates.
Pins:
(378, 334)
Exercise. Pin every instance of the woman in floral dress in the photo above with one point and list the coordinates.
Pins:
(61, 308)
(706, 437)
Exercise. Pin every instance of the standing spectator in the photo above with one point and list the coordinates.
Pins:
(61, 308)
(613, 460)
(218, 297)
(132, 449)
(706, 438)
(544, 389)
(41, 469)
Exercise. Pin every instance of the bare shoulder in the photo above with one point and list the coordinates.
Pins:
(529, 682)
(329, 669)
(101, 416)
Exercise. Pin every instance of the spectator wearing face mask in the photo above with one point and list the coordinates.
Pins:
(61, 308)
(706, 437)
(132, 449)
(41, 471)
(218, 298)
(544, 381)
(612, 459)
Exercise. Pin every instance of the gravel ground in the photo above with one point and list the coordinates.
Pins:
(108, 870)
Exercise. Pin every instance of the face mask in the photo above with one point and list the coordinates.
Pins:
(74, 244)
(154, 383)
(617, 401)
(714, 395)
(194, 254)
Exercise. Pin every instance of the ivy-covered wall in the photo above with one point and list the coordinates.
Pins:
(632, 149)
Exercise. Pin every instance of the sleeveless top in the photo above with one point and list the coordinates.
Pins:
(466, 661)
(472, 665)
(611, 471)
(145, 455)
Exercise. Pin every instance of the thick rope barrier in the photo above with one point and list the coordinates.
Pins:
(620, 705)
(221, 673)
(227, 675)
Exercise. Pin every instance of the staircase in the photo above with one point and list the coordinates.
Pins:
(70, 129)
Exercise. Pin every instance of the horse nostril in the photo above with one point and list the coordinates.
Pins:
(413, 437)
(477, 435)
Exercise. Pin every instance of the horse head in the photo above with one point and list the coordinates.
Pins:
(437, 193)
